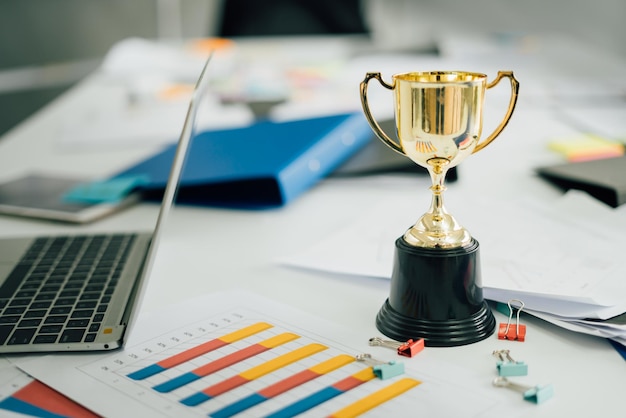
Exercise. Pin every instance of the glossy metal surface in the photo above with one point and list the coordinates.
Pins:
(439, 124)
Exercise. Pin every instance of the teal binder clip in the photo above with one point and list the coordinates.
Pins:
(507, 366)
(535, 394)
(382, 370)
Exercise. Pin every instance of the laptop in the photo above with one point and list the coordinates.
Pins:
(82, 292)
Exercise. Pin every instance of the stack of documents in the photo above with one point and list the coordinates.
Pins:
(560, 260)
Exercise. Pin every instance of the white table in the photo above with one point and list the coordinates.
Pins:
(208, 249)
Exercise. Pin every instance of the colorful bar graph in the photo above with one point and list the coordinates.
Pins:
(375, 399)
(307, 401)
(283, 386)
(38, 400)
(323, 395)
(198, 350)
(224, 362)
(252, 374)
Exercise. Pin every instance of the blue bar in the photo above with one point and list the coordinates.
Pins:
(239, 406)
(15, 405)
(307, 403)
(176, 382)
(195, 399)
(146, 372)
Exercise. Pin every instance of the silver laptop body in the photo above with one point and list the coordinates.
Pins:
(50, 301)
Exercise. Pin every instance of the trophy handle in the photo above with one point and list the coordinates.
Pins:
(368, 114)
(512, 102)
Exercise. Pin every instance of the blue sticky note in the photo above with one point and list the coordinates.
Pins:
(105, 191)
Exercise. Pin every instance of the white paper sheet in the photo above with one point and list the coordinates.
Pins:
(101, 382)
(562, 259)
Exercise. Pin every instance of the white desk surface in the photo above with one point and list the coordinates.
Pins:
(208, 249)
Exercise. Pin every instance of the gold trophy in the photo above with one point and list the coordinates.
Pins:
(436, 287)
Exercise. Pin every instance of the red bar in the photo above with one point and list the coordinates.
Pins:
(229, 360)
(225, 386)
(288, 383)
(192, 353)
(348, 383)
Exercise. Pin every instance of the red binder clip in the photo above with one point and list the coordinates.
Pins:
(406, 349)
(514, 333)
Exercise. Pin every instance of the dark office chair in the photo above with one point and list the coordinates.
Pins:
(288, 17)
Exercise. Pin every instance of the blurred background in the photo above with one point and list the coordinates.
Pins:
(46, 46)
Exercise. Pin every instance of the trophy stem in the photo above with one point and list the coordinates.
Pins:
(437, 228)
(437, 177)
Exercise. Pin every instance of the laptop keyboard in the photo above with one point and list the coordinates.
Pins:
(61, 289)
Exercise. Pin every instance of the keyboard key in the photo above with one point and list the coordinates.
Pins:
(64, 301)
(50, 329)
(5, 330)
(50, 288)
(69, 294)
(16, 310)
(9, 319)
(45, 339)
(98, 317)
(73, 285)
(28, 323)
(21, 336)
(94, 327)
(60, 310)
(77, 323)
(10, 285)
(89, 304)
(73, 335)
(40, 305)
(36, 313)
(94, 288)
(56, 319)
(89, 338)
(86, 313)
(25, 294)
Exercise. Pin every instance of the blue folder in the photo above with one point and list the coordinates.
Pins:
(266, 164)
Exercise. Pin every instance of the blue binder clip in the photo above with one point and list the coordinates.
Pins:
(382, 370)
(535, 394)
(507, 366)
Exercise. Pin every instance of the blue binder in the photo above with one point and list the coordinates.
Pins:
(266, 164)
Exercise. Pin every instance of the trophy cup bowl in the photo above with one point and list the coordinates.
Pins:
(436, 287)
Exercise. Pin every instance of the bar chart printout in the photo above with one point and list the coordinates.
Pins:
(237, 353)
(250, 361)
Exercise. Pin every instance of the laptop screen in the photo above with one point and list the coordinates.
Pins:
(171, 190)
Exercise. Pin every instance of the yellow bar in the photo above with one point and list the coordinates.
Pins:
(245, 332)
(279, 340)
(375, 399)
(282, 361)
(332, 364)
(365, 374)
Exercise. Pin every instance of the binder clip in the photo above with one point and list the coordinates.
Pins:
(381, 369)
(407, 349)
(514, 333)
(507, 366)
(535, 394)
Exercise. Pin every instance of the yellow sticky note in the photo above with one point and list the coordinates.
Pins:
(586, 147)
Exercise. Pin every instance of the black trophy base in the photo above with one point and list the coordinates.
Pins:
(436, 294)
